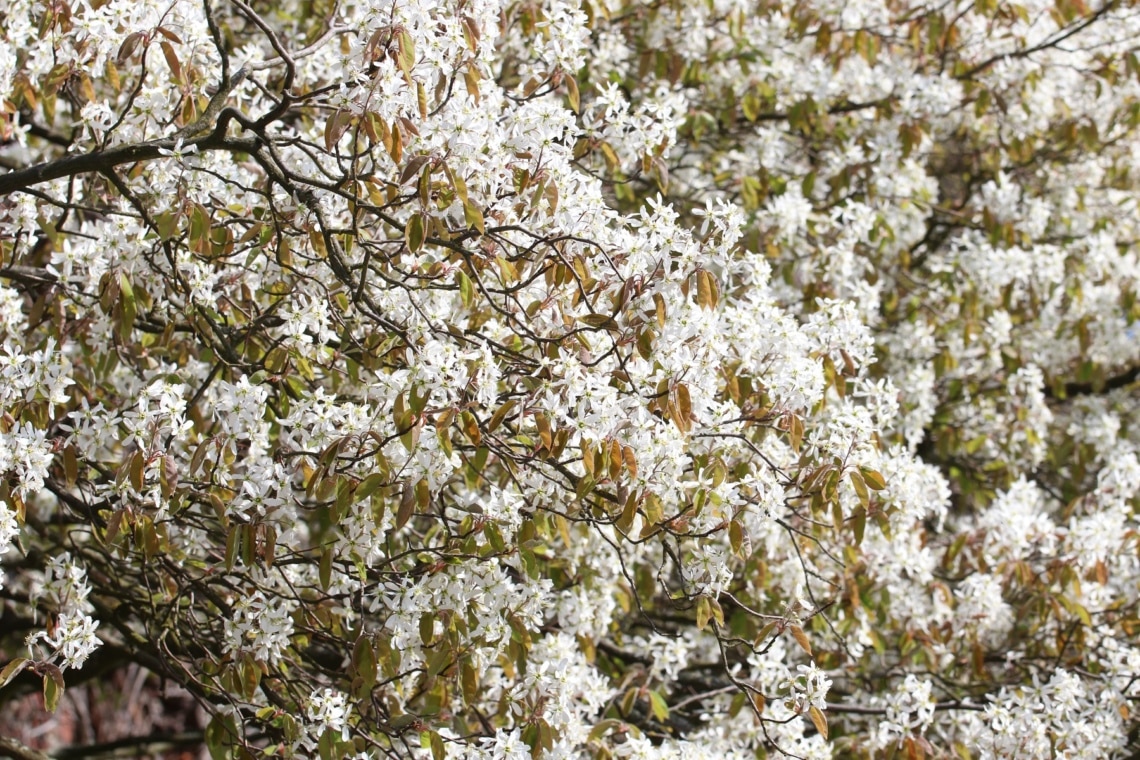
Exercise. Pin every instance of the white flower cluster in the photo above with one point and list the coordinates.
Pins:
(9, 530)
(909, 709)
(612, 307)
(327, 710)
(71, 634)
(260, 626)
(570, 691)
(72, 638)
(488, 594)
(1064, 717)
(808, 688)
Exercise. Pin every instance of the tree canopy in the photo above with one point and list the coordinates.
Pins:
(550, 379)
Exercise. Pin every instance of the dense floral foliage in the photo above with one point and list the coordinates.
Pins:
(533, 378)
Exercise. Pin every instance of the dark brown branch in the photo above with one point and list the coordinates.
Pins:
(1050, 42)
(14, 749)
(835, 110)
(30, 276)
(134, 746)
(1116, 382)
(833, 707)
(55, 138)
(105, 160)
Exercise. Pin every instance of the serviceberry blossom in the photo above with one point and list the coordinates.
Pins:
(327, 710)
(546, 379)
(259, 628)
(73, 639)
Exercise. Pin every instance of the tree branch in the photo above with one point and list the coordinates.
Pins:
(1123, 380)
(105, 160)
(133, 746)
(14, 749)
(837, 708)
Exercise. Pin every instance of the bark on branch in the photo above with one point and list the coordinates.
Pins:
(105, 160)
(14, 749)
(1115, 382)
(134, 746)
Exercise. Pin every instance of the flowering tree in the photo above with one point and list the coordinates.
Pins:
(541, 379)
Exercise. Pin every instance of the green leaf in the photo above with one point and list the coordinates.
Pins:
(572, 94)
(250, 673)
(335, 127)
(717, 611)
(494, 537)
(53, 686)
(457, 183)
(439, 660)
(326, 748)
(324, 569)
(750, 104)
(860, 486)
(704, 612)
(407, 505)
(706, 290)
(628, 513)
(70, 465)
(368, 486)
(407, 55)
(795, 432)
(233, 541)
(819, 719)
(364, 667)
(604, 726)
(599, 320)
(659, 706)
(414, 232)
(736, 536)
(12, 669)
(684, 405)
(219, 738)
(473, 216)
(466, 288)
(500, 415)
(469, 680)
(873, 478)
(126, 309)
